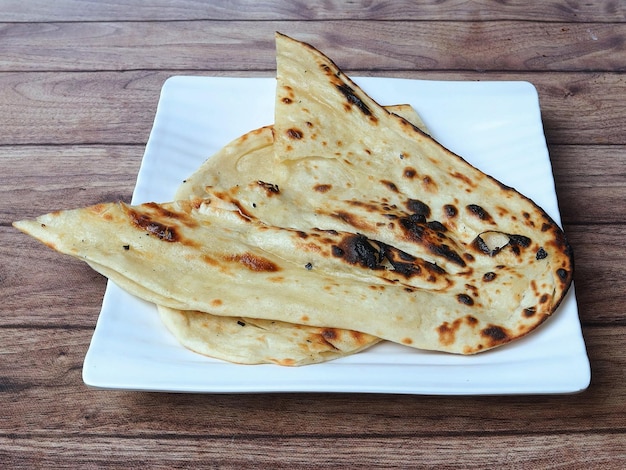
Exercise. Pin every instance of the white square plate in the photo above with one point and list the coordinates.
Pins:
(496, 126)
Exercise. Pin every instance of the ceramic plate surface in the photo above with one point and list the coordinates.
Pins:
(496, 126)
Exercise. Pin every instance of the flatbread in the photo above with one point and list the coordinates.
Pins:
(370, 225)
(241, 339)
(246, 340)
(251, 158)
(252, 341)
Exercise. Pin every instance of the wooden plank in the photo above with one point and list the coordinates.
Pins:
(43, 396)
(118, 107)
(589, 180)
(41, 287)
(65, 176)
(590, 183)
(64, 290)
(164, 10)
(357, 45)
(599, 271)
(281, 451)
(75, 107)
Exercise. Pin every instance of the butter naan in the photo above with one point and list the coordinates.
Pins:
(250, 340)
(254, 341)
(245, 340)
(369, 225)
(251, 157)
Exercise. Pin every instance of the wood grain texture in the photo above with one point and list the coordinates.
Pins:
(47, 379)
(79, 85)
(52, 108)
(599, 258)
(356, 45)
(561, 451)
(67, 292)
(289, 429)
(421, 10)
(66, 175)
(590, 183)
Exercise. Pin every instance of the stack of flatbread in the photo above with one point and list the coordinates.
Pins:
(341, 225)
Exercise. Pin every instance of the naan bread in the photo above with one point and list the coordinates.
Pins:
(241, 339)
(251, 158)
(253, 341)
(370, 225)
(246, 340)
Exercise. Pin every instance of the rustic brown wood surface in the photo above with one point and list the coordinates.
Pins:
(79, 85)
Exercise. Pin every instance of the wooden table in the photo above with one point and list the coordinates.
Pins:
(79, 85)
